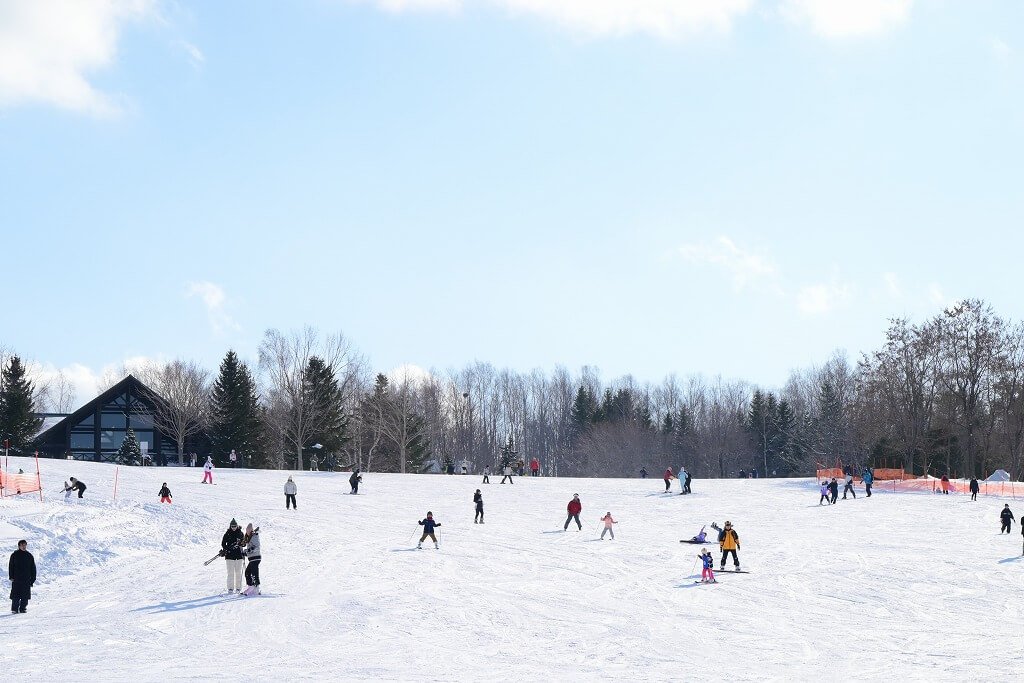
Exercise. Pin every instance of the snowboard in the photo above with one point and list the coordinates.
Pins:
(692, 542)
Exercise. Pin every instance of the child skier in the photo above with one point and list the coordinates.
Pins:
(479, 500)
(251, 550)
(428, 525)
(1006, 517)
(707, 574)
(824, 494)
(231, 547)
(208, 470)
(165, 494)
(608, 521)
(290, 489)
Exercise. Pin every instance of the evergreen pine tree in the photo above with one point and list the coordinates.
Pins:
(129, 453)
(584, 409)
(18, 421)
(235, 411)
(325, 400)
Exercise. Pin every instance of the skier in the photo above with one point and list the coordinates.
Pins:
(574, 507)
(608, 521)
(824, 494)
(707, 574)
(479, 500)
(868, 478)
(729, 542)
(1006, 516)
(165, 494)
(428, 525)
(643, 472)
(668, 476)
(251, 550)
(487, 476)
(849, 487)
(682, 480)
(689, 478)
(534, 467)
(507, 474)
(314, 463)
(77, 486)
(354, 480)
(208, 470)
(833, 486)
(290, 489)
(21, 570)
(231, 546)
(945, 484)
(975, 488)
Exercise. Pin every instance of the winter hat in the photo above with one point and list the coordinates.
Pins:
(575, 495)
(289, 478)
(429, 513)
(233, 522)
(248, 528)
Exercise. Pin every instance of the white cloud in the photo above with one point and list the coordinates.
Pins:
(89, 382)
(744, 267)
(195, 55)
(664, 18)
(214, 299)
(47, 48)
(1001, 52)
(847, 18)
(824, 297)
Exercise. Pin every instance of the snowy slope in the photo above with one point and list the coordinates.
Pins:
(912, 585)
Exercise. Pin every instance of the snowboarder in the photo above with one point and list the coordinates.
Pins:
(231, 546)
(643, 472)
(354, 480)
(478, 518)
(21, 570)
(868, 478)
(251, 550)
(534, 467)
(428, 525)
(824, 494)
(1006, 516)
(507, 474)
(707, 574)
(208, 470)
(77, 486)
(668, 476)
(729, 542)
(945, 484)
(833, 486)
(290, 489)
(849, 487)
(165, 494)
(700, 537)
(975, 488)
(487, 476)
(608, 521)
(574, 508)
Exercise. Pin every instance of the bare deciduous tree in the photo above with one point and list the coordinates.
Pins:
(179, 394)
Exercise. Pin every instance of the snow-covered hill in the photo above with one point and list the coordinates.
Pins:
(900, 585)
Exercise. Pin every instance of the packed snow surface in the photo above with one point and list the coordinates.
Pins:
(911, 586)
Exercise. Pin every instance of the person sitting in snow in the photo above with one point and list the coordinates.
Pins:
(428, 525)
(165, 494)
(707, 574)
(699, 538)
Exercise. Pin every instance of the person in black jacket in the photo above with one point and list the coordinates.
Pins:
(231, 547)
(478, 518)
(354, 480)
(22, 572)
(428, 525)
(77, 486)
(1006, 517)
(974, 488)
(165, 494)
(833, 486)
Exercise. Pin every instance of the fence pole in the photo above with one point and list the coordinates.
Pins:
(39, 481)
(116, 470)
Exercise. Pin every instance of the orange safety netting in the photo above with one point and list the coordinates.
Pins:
(15, 484)
(890, 473)
(830, 473)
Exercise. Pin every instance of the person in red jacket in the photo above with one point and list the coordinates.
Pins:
(668, 479)
(574, 508)
(535, 468)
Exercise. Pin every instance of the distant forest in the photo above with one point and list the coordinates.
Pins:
(945, 396)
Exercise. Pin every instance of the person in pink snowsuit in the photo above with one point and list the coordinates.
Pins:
(707, 575)
(208, 471)
(608, 521)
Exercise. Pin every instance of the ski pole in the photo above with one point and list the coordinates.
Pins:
(694, 567)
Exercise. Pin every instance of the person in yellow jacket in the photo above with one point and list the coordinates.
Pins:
(729, 542)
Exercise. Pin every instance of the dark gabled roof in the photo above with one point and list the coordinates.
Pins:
(90, 407)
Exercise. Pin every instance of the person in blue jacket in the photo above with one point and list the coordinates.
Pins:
(428, 525)
(868, 478)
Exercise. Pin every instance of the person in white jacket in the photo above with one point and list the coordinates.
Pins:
(290, 489)
(251, 550)
(208, 470)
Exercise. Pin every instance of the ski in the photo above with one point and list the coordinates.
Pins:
(732, 571)
(693, 542)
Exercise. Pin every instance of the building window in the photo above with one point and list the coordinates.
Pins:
(111, 439)
(113, 420)
(83, 441)
(141, 422)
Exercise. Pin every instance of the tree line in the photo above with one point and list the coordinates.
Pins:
(945, 396)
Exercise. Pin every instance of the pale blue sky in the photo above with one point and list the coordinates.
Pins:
(646, 187)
